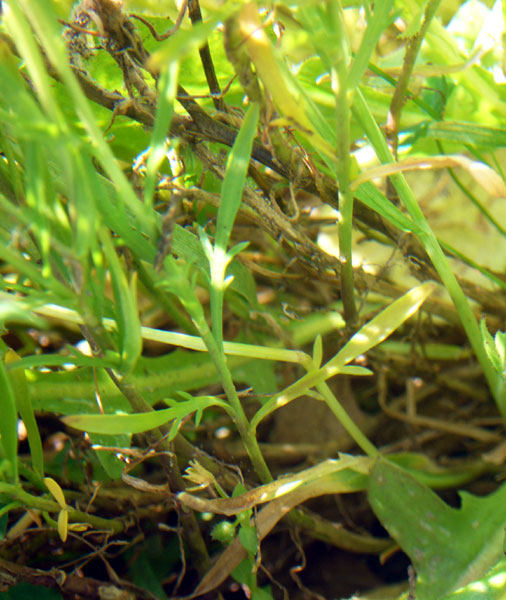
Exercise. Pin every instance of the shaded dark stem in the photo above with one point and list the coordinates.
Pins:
(401, 89)
(71, 585)
(206, 59)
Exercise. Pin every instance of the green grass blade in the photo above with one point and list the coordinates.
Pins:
(379, 328)
(231, 197)
(21, 392)
(235, 178)
(8, 422)
(127, 314)
(18, 26)
(138, 422)
(377, 24)
(167, 88)
(43, 20)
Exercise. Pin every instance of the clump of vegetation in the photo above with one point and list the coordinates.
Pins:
(252, 300)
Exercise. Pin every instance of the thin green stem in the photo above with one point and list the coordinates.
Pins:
(238, 415)
(217, 293)
(184, 340)
(401, 88)
(339, 77)
(346, 421)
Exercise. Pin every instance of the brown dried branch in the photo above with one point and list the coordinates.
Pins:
(71, 586)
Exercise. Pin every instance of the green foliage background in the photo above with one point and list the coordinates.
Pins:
(180, 263)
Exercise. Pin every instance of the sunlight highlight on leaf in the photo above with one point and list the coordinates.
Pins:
(379, 328)
(56, 491)
(486, 177)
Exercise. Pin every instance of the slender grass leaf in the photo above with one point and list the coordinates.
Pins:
(129, 326)
(119, 220)
(138, 422)
(377, 24)
(58, 360)
(38, 196)
(8, 422)
(17, 24)
(21, 392)
(43, 20)
(495, 382)
(461, 133)
(469, 261)
(370, 335)
(231, 197)
(235, 177)
(86, 189)
(372, 197)
(379, 328)
(17, 261)
(495, 348)
(69, 392)
(167, 88)
(187, 246)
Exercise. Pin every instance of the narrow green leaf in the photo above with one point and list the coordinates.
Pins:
(490, 348)
(42, 18)
(127, 315)
(367, 337)
(167, 88)
(8, 422)
(21, 392)
(138, 422)
(377, 24)
(86, 190)
(317, 351)
(231, 198)
(70, 392)
(379, 328)
(372, 197)
(186, 245)
(462, 133)
(18, 26)
(235, 178)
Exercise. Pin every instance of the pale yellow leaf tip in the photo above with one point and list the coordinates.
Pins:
(56, 491)
(63, 521)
